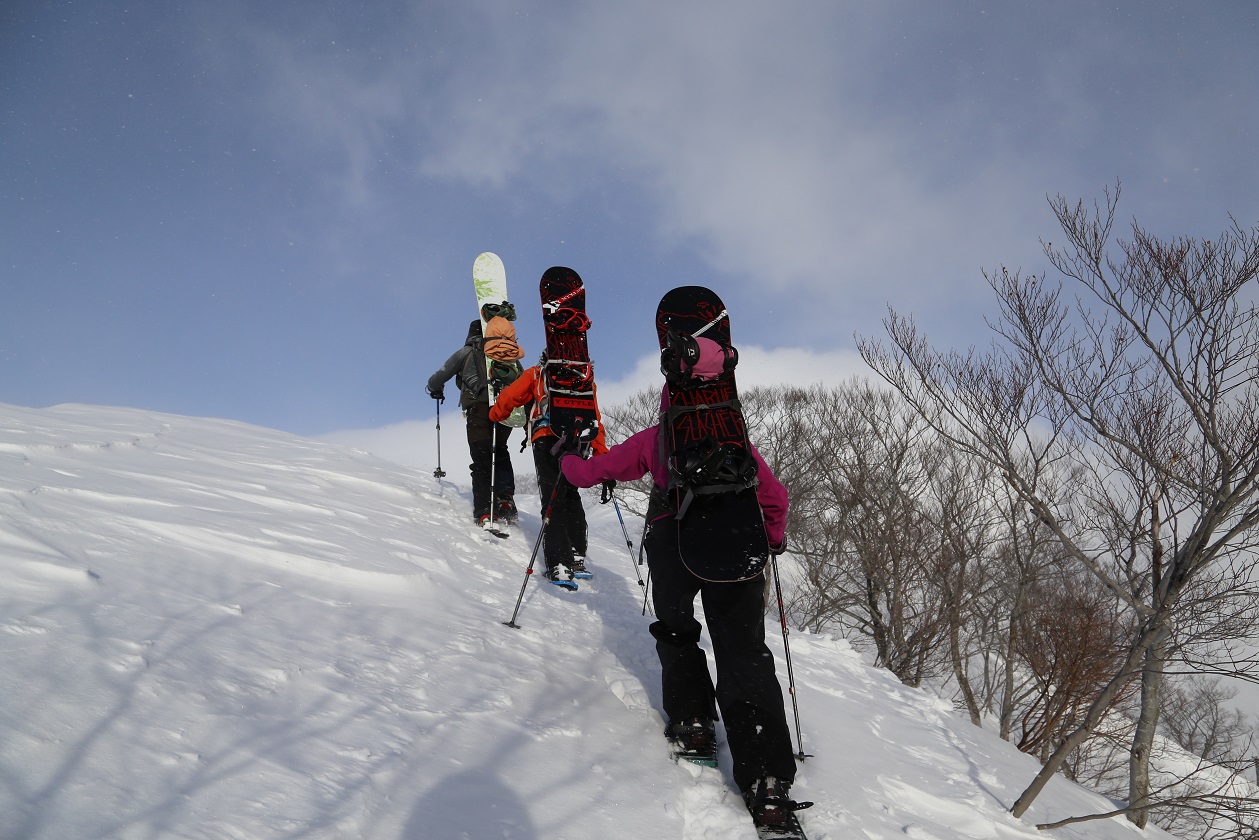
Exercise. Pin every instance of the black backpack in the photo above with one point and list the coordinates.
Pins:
(706, 465)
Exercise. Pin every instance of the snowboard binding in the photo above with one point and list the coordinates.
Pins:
(566, 319)
(498, 310)
(681, 353)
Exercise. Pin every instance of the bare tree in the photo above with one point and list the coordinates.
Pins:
(1071, 641)
(1196, 717)
(1026, 556)
(963, 510)
(1146, 383)
(873, 557)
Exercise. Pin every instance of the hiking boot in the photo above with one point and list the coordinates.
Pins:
(578, 568)
(693, 735)
(507, 509)
(558, 574)
(693, 740)
(771, 806)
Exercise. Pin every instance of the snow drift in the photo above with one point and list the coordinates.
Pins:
(212, 630)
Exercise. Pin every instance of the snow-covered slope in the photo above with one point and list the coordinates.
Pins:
(210, 630)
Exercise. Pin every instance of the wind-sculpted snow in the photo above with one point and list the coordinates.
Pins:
(210, 630)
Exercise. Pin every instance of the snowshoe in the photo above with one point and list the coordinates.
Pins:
(693, 740)
(507, 513)
(773, 811)
(490, 526)
(560, 575)
(578, 568)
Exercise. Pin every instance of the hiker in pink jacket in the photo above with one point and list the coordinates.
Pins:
(747, 689)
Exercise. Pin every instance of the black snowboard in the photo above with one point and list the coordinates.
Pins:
(721, 530)
(569, 374)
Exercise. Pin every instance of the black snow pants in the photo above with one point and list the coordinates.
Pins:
(565, 534)
(747, 690)
(487, 443)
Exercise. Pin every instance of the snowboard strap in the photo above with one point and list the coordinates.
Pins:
(710, 324)
(562, 375)
(568, 320)
(706, 466)
(539, 408)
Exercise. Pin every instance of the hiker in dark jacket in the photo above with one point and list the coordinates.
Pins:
(487, 442)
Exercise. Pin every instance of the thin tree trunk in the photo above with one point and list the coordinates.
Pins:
(1151, 692)
(1008, 676)
(959, 673)
(878, 629)
(1143, 738)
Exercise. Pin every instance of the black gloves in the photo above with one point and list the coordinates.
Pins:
(606, 494)
(585, 433)
(578, 441)
(438, 393)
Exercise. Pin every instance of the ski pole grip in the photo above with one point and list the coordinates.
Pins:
(561, 446)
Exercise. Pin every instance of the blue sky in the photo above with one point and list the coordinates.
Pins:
(269, 211)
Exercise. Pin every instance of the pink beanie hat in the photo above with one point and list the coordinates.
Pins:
(712, 361)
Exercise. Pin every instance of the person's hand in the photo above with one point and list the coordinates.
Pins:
(438, 394)
(563, 445)
(779, 548)
(585, 433)
(609, 485)
(577, 440)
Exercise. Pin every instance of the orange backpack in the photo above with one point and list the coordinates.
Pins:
(500, 341)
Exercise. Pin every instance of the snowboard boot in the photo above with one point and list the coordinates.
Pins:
(772, 808)
(693, 740)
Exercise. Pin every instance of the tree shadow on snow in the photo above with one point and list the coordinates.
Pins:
(472, 805)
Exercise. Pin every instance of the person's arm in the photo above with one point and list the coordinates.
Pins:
(624, 462)
(772, 495)
(436, 382)
(513, 396)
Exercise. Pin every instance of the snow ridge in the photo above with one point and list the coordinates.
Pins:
(212, 630)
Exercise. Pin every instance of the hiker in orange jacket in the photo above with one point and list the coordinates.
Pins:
(564, 541)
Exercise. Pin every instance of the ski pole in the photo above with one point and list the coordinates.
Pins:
(439, 473)
(628, 542)
(791, 678)
(493, 463)
(641, 542)
(533, 556)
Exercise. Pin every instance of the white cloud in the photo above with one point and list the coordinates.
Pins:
(757, 367)
(414, 443)
(844, 152)
(760, 136)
